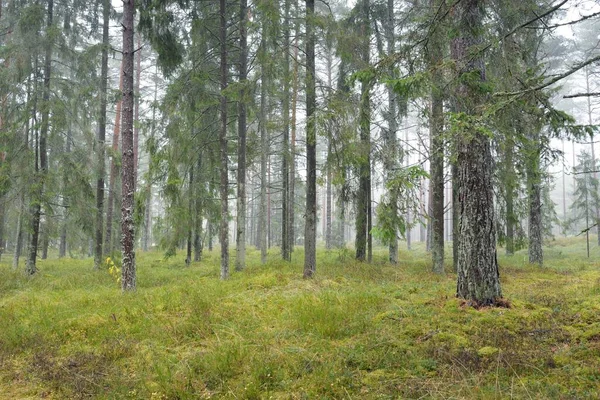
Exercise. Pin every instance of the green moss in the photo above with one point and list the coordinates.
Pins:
(357, 330)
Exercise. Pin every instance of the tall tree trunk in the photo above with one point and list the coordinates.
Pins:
(108, 244)
(197, 218)
(310, 227)
(146, 241)
(62, 249)
(534, 184)
(128, 280)
(510, 187)
(292, 196)
(136, 117)
(19, 234)
(390, 139)
(455, 215)
(364, 179)
(31, 268)
(264, 145)
(101, 137)
(478, 276)
(192, 197)
(224, 185)
(436, 127)
(285, 162)
(240, 261)
(328, 202)
(593, 152)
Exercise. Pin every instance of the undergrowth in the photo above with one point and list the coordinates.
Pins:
(356, 331)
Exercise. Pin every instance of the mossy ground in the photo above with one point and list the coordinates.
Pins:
(356, 331)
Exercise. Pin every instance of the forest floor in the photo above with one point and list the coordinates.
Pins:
(356, 331)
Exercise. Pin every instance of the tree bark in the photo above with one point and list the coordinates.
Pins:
(534, 182)
(478, 276)
(198, 212)
(128, 279)
(136, 117)
(292, 208)
(62, 249)
(264, 145)
(31, 268)
(285, 161)
(364, 170)
(510, 187)
(310, 227)
(224, 185)
(240, 261)
(108, 244)
(436, 128)
(188, 258)
(101, 137)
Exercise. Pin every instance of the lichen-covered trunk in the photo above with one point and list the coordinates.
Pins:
(534, 185)
(328, 203)
(286, 156)
(264, 145)
(136, 118)
(310, 228)
(436, 152)
(364, 169)
(188, 257)
(128, 271)
(19, 234)
(101, 137)
(437, 181)
(224, 183)
(108, 243)
(198, 213)
(510, 188)
(31, 268)
(292, 208)
(478, 277)
(455, 215)
(240, 260)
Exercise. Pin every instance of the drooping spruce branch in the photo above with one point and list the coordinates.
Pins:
(551, 81)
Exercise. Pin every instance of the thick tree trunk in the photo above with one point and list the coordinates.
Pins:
(328, 202)
(364, 170)
(62, 248)
(510, 187)
(590, 113)
(136, 117)
(45, 242)
(224, 184)
(292, 208)
(31, 268)
(108, 243)
(437, 181)
(478, 276)
(128, 279)
(240, 261)
(436, 127)
(101, 137)
(264, 145)
(310, 227)
(455, 216)
(534, 183)
(19, 234)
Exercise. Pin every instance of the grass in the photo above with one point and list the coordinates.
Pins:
(357, 331)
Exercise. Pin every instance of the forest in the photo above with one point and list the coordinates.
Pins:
(345, 199)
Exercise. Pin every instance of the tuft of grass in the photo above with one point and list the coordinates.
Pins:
(357, 330)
